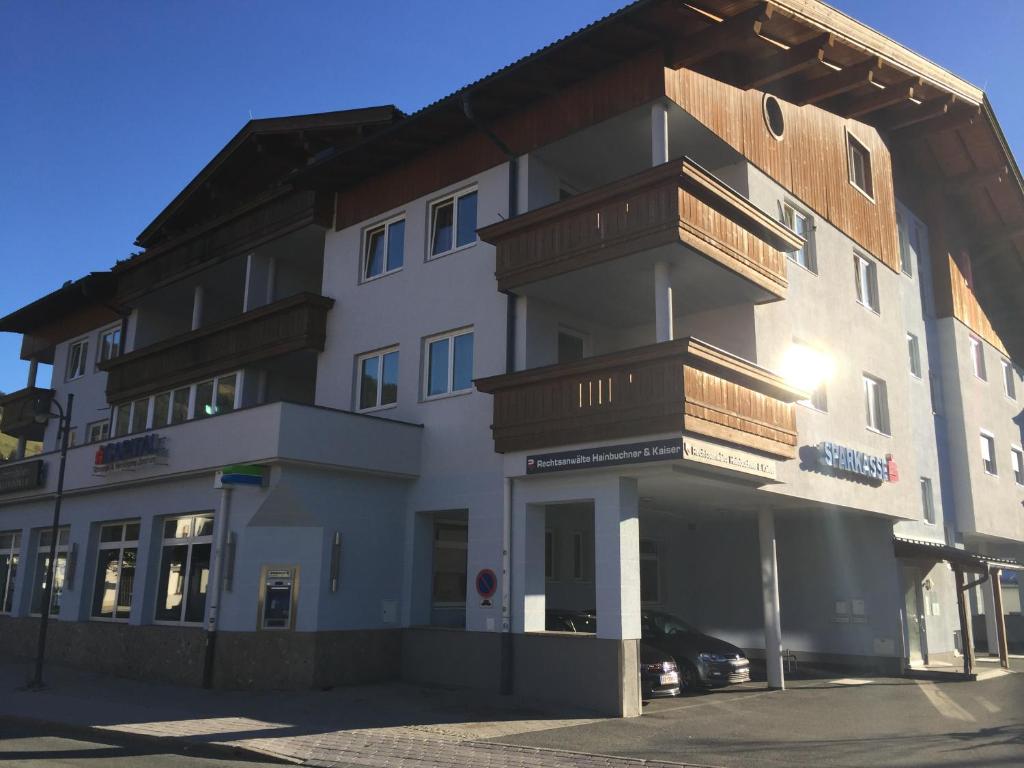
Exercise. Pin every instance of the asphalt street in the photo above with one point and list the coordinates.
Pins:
(891, 722)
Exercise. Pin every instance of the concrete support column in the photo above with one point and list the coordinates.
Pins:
(197, 307)
(528, 586)
(770, 597)
(988, 599)
(663, 308)
(659, 133)
(617, 560)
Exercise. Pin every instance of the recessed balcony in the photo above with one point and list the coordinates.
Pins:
(676, 386)
(722, 249)
(293, 324)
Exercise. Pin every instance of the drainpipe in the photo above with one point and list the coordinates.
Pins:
(216, 585)
(505, 685)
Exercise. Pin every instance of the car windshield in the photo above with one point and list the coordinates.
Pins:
(663, 624)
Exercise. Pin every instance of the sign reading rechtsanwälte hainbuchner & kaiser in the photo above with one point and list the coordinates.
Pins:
(605, 456)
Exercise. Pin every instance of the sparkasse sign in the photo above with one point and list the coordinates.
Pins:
(840, 460)
(605, 456)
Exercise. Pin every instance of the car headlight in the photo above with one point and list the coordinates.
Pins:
(714, 658)
(660, 666)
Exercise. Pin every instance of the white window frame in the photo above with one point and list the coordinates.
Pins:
(1017, 464)
(978, 358)
(379, 354)
(191, 541)
(987, 444)
(83, 359)
(1009, 379)
(384, 225)
(792, 210)
(852, 140)
(14, 564)
(192, 388)
(903, 232)
(453, 198)
(116, 329)
(451, 336)
(866, 269)
(914, 353)
(63, 548)
(120, 545)
(876, 411)
(928, 500)
(104, 431)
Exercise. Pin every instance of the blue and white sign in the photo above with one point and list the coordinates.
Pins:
(131, 454)
(840, 460)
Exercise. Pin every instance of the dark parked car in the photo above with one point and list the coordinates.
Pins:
(659, 675)
(703, 660)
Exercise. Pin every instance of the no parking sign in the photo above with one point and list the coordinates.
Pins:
(486, 585)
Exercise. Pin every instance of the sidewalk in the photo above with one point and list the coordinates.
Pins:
(394, 725)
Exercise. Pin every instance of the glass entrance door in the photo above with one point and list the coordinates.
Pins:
(916, 650)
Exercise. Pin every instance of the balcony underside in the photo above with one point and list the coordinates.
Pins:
(677, 386)
(18, 418)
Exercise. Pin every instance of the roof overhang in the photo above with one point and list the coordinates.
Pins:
(959, 558)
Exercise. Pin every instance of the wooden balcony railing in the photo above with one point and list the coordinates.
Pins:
(678, 203)
(18, 417)
(296, 323)
(675, 386)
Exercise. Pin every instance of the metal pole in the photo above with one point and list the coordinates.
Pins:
(216, 585)
(44, 620)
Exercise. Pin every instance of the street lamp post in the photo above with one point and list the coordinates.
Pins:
(42, 415)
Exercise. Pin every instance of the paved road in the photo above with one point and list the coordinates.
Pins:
(893, 722)
(24, 746)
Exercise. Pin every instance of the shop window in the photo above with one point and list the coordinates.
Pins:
(42, 566)
(978, 358)
(384, 249)
(449, 577)
(927, 500)
(378, 379)
(449, 363)
(453, 223)
(110, 344)
(184, 569)
(914, 355)
(10, 549)
(582, 563)
(650, 573)
(988, 453)
(116, 559)
(866, 275)
(801, 224)
(78, 354)
(876, 404)
(550, 555)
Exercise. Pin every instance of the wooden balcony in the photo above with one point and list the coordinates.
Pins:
(17, 419)
(676, 204)
(677, 386)
(290, 325)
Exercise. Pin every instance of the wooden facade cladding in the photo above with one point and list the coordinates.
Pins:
(18, 417)
(675, 386)
(966, 308)
(672, 204)
(618, 89)
(810, 160)
(221, 240)
(290, 325)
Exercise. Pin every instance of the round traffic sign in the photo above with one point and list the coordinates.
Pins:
(486, 582)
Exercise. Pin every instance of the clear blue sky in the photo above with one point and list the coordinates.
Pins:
(107, 109)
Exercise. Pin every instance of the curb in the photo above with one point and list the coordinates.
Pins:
(178, 743)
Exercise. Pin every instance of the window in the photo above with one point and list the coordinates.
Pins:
(450, 546)
(774, 120)
(550, 572)
(988, 453)
(935, 389)
(866, 275)
(876, 404)
(570, 347)
(978, 359)
(1009, 383)
(215, 397)
(184, 569)
(906, 254)
(1017, 462)
(140, 415)
(801, 224)
(207, 398)
(927, 501)
(914, 353)
(449, 363)
(179, 405)
(98, 431)
(43, 564)
(122, 419)
(860, 165)
(577, 556)
(384, 249)
(10, 544)
(378, 379)
(115, 570)
(110, 344)
(650, 592)
(452, 223)
(78, 354)
(72, 437)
